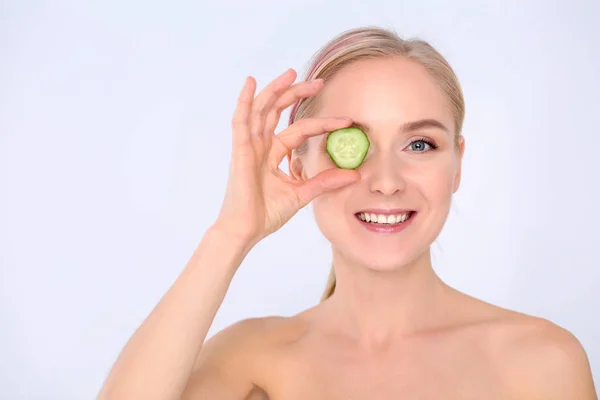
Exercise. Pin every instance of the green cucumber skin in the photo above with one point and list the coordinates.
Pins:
(348, 131)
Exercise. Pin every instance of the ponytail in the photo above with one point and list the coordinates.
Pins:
(330, 286)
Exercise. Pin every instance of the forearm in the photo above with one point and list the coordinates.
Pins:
(157, 361)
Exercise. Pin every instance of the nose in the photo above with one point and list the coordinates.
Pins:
(384, 175)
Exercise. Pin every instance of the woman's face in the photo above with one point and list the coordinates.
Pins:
(412, 167)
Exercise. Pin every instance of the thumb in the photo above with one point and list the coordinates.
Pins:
(325, 181)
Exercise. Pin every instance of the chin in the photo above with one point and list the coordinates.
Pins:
(383, 260)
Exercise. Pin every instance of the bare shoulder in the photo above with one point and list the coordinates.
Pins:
(250, 338)
(540, 360)
(254, 331)
(232, 362)
(533, 357)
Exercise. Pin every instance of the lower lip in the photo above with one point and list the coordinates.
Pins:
(388, 228)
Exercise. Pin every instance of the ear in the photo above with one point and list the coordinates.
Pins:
(460, 152)
(296, 168)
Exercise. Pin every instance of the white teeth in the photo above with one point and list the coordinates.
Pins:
(383, 219)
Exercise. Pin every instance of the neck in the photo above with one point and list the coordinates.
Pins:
(374, 307)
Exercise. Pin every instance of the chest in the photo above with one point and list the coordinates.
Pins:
(429, 372)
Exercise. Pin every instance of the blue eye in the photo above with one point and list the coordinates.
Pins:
(422, 145)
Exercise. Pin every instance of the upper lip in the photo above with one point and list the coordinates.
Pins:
(385, 211)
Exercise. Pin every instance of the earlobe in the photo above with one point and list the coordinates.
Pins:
(296, 170)
(461, 151)
(457, 180)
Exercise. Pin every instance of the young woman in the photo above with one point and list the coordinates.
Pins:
(388, 327)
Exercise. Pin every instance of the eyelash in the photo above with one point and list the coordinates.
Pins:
(430, 142)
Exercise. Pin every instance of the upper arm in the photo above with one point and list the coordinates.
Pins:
(223, 369)
(549, 363)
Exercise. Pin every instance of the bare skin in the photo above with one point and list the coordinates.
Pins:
(480, 352)
(392, 329)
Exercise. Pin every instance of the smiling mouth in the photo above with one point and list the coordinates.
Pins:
(384, 219)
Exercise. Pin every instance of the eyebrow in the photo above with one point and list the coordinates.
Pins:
(408, 126)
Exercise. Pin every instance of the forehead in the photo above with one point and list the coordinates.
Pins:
(391, 90)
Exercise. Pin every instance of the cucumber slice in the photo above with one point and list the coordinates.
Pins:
(348, 147)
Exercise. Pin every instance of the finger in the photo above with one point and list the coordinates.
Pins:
(265, 100)
(290, 96)
(298, 132)
(241, 116)
(325, 181)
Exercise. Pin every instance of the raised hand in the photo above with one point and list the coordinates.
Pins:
(260, 198)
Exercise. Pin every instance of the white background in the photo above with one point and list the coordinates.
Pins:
(114, 146)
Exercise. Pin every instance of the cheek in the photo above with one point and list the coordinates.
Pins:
(328, 207)
(434, 180)
(328, 210)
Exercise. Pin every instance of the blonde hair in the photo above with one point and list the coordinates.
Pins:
(376, 42)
